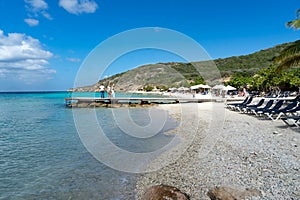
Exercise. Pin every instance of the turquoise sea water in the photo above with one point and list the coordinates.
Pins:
(42, 157)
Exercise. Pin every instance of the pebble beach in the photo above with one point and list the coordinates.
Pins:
(220, 147)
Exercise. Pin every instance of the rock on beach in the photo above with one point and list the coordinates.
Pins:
(163, 192)
(231, 193)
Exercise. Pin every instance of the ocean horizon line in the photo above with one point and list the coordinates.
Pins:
(32, 91)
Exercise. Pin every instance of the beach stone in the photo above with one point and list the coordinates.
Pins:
(103, 105)
(97, 104)
(231, 193)
(73, 105)
(115, 105)
(94, 104)
(163, 192)
(83, 105)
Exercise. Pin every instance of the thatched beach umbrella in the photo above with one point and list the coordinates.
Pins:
(194, 87)
(229, 87)
(200, 87)
(205, 87)
(218, 87)
(172, 89)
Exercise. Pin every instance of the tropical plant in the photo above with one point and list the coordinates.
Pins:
(295, 23)
(267, 79)
(162, 87)
(148, 88)
(239, 81)
(290, 56)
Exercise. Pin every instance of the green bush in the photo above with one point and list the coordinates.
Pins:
(148, 88)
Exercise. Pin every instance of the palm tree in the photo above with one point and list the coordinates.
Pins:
(295, 23)
(290, 56)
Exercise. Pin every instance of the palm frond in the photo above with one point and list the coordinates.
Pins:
(287, 63)
(289, 51)
(294, 24)
(289, 57)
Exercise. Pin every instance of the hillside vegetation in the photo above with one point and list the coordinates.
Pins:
(174, 74)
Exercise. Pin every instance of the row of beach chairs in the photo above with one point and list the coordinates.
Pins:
(288, 110)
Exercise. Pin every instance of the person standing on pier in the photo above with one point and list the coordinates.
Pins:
(101, 89)
(108, 90)
(112, 91)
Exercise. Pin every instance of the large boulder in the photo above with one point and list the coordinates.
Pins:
(231, 193)
(163, 192)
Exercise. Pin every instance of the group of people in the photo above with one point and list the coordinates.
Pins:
(110, 91)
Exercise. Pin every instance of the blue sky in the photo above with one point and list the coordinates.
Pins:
(43, 43)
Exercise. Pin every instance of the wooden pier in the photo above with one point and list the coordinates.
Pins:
(84, 102)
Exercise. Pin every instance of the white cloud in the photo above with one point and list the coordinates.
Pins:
(37, 5)
(79, 6)
(22, 57)
(32, 22)
(73, 59)
(47, 15)
(35, 9)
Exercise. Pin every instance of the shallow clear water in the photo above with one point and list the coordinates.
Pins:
(42, 157)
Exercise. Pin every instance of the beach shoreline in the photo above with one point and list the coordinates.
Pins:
(229, 149)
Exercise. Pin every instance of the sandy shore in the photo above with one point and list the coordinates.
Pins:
(222, 147)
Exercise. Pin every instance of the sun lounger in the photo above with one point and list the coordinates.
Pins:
(275, 108)
(293, 112)
(293, 120)
(231, 105)
(267, 106)
(296, 99)
(290, 108)
(236, 107)
(249, 107)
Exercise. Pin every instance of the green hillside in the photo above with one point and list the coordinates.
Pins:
(251, 63)
(186, 74)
